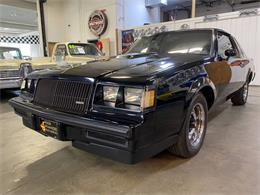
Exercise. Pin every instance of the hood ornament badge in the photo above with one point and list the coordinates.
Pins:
(79, 102)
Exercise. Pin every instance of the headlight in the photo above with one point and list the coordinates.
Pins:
(130, 98)
(133, 96)
(110, 93)
(139, 97)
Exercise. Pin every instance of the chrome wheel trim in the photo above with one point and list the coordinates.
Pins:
(196, 125)
(245, 92)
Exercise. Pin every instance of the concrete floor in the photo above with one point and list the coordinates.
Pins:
(229, 162)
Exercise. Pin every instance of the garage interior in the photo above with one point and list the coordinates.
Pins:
(229, 161)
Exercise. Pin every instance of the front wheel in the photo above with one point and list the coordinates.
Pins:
(192, 135)
(240, 97)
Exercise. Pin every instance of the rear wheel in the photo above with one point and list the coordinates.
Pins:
(193, 132)
(240, 97)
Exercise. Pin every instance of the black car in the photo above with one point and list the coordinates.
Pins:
(154, 97)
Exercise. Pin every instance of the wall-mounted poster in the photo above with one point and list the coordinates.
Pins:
(130, 36)
(127, 39)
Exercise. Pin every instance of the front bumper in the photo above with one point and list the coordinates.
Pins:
(10, 83)
(108, 139)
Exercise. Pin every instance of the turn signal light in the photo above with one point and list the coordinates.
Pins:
(148, 99)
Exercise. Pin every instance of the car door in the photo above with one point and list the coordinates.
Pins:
(239, 65)
(235, 63)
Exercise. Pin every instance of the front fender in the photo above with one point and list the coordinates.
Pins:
(205, 86)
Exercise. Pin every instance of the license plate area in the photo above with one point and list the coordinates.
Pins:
(49, 128)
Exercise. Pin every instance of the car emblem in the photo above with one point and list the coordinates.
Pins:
(43, 126)
(79, 102)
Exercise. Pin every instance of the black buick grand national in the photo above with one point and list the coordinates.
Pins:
(154, 97)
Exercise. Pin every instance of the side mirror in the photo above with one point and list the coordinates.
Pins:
(230, 53)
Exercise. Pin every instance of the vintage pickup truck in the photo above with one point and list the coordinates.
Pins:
(70, 53)
(13, 68)
(155, 97)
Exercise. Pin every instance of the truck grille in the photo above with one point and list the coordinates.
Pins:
(62, 95)
(9, 74)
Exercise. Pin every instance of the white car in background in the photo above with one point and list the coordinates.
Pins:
(12, 67)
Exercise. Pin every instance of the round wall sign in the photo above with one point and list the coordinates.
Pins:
(97, 22)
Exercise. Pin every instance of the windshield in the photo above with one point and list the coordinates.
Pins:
(10, 53)
(181, 42)
(83, 49)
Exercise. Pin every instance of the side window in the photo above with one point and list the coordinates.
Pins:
(224, 43)
(240, 51)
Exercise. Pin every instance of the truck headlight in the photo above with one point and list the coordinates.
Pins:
(110, 93)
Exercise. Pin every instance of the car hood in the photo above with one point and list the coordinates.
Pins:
(134, 68)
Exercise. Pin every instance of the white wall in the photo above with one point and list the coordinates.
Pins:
(86, 7)
(62, 20)
(134, 13)
(67, 20)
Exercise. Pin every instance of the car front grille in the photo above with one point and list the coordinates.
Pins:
(4, 74)
(63, 95)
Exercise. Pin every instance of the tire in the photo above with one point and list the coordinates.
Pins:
(240, 97)
(186, 145)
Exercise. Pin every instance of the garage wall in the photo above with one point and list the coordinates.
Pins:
(67, 20)
(110, 9)
(134, 13)
(59, 14)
